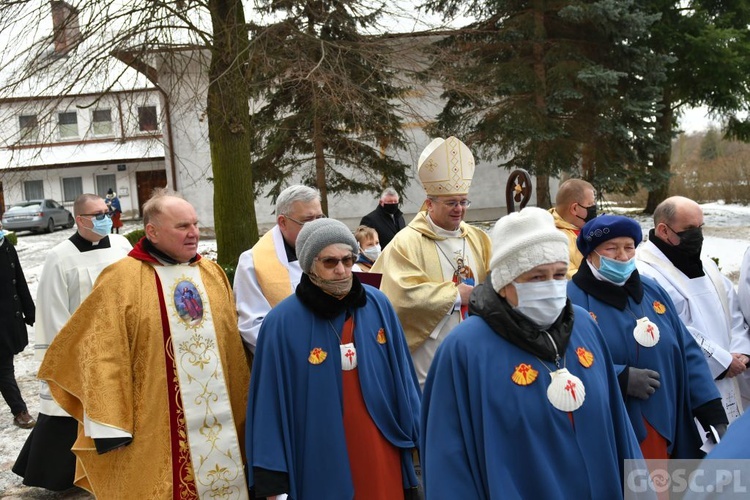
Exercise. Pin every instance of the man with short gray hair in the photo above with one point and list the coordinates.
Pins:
(269, 272)
(386, 219)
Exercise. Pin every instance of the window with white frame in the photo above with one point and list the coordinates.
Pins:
(147, 121)
(101, 122)
(72, 188)
(29, 128)
(67, 124)
(104, 183)
(33, 190)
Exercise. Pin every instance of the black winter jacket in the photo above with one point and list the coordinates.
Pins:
(16, 305)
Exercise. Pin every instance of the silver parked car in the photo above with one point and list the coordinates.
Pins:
(37, 215)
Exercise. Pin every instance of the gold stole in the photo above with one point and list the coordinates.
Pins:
(212, 434)
(272, 275)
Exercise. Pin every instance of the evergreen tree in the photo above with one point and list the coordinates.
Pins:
(710, 145)
(327, 99)
(553, 86)
(709, 42)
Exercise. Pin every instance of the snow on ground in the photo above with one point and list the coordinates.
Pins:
(727, 236)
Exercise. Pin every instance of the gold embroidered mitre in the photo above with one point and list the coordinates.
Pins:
(446, 167)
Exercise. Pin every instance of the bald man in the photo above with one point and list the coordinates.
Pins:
(704, 298)
(575, 205)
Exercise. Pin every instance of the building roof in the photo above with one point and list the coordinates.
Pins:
(80, 154)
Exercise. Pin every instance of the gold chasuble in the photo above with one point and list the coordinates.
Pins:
(273, 277)
(154, 353)
(413, 277)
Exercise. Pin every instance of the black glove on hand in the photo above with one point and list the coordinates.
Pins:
(642, 382)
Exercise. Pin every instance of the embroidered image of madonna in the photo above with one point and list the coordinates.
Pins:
(187, 301)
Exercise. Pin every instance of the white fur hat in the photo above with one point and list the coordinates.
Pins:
(523, 240)
(446, 167)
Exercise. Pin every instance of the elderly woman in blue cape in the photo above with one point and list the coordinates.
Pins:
(663, 375)
(334, 400)
(521, 400)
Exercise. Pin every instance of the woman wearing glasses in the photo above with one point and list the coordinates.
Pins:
(334, 401)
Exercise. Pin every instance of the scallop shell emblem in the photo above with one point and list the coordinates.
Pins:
(585, 357)
(646, 332)
(659, 307)
(566, 391)
(317, 356)
(524, 374)
(381, 336)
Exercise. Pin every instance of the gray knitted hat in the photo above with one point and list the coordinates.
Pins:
(318, 234)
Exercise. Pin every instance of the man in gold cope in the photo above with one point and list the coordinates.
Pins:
(151, 365)
(431, 266)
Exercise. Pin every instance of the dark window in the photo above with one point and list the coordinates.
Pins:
(33, 190)
(147, 119)
(104, 183)
(67, 124)
(101, 122)
(72, 188)
(29, 128)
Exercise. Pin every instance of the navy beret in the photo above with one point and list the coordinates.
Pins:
(604, 228)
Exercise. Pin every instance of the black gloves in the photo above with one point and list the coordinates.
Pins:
(642, 382)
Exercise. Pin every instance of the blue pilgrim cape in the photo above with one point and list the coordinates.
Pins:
(295, 408)
(484, 436)
(686, 382)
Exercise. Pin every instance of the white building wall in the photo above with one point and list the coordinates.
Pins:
(183, 76)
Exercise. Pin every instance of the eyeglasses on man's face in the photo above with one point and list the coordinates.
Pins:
(452, 204)
(332, 262)
(95, 216)
(303, 222)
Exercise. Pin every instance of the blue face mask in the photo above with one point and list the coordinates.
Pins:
(614, 270)
(101, 227)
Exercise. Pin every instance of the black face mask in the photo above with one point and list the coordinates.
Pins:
(691, 241)
(390, 208)
(590, 213)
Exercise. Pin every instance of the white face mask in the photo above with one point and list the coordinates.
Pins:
(541, 301)
(372, 253)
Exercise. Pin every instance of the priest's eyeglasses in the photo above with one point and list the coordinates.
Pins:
(453, 203)
(303, 222)
(95, 216)
(332, 262)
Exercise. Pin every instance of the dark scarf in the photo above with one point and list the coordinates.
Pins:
(518, 330)
(327, 306)
(609, 293)
(690, 265)
(159, 255)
